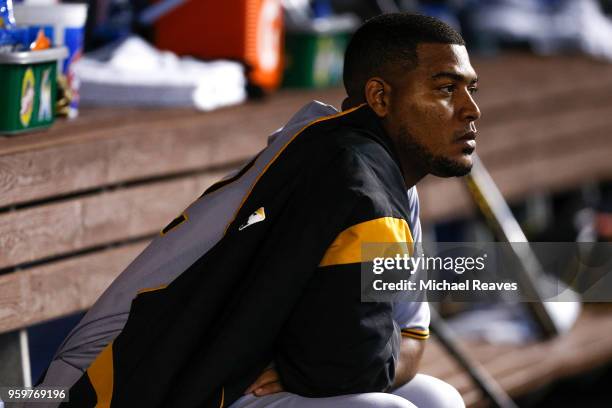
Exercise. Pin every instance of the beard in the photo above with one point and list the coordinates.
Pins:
(414, 152)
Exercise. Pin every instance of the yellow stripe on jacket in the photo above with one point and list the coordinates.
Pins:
(100, 374)
(347, 246)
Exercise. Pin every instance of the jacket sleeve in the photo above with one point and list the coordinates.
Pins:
(334, 343)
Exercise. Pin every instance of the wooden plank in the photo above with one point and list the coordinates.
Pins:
(68, 226)
(165, 149)
(504, 79)
(100, 122)
(63, 227)
(512, 80)
(57, 289)
(78, 166)
(542, 363)
(504, 142)
(109, 146)
(525, 368)
(110, 150)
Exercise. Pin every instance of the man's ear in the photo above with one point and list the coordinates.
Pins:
(377, 93)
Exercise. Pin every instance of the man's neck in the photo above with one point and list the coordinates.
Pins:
(411, 171)
(411, 175)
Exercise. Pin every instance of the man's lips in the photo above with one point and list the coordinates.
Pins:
(468, 136)
(468, 139)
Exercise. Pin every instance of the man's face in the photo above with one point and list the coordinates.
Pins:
(432, 112)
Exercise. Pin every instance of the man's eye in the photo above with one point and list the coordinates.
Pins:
(448, 89)
(473, 89)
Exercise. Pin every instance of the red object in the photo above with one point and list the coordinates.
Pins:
(603, 225)
(246, 30)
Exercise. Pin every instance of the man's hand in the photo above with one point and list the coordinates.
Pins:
(267, 383)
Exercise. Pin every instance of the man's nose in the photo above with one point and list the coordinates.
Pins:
(470, 111)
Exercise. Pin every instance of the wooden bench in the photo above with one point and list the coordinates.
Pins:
(520, 369)
(80, 201)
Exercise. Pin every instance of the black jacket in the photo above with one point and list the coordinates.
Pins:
(286, 289)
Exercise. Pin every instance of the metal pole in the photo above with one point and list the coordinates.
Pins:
(483, 380)
(496, 212)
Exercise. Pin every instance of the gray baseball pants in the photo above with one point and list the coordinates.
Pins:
(423, 391)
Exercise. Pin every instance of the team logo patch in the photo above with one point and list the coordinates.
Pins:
(258, 216)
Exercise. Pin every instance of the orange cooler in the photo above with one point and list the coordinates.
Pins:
(246, 30)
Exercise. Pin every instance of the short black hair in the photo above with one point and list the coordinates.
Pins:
(390, 40)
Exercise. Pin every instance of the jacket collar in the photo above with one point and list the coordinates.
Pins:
(365, 119)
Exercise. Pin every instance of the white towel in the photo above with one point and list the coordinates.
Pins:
(138, 74)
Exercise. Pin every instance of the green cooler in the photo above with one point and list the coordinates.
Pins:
(28, 84)
(314, 60)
